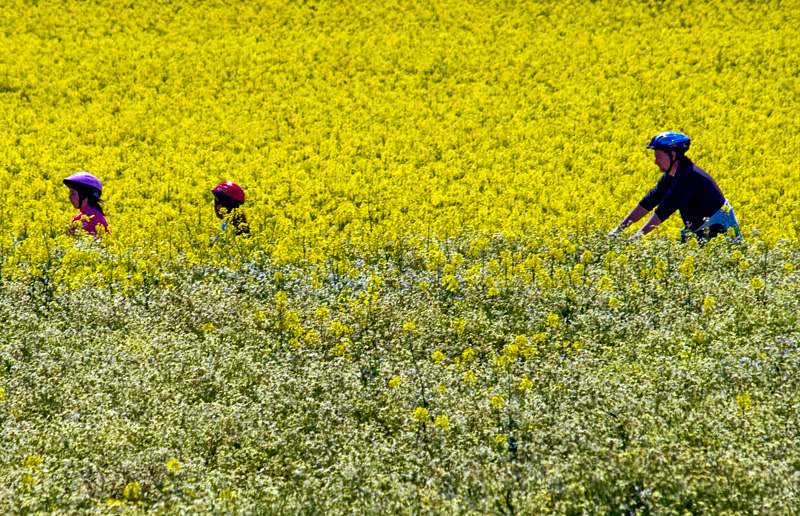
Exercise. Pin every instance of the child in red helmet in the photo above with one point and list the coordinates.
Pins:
(84, 194)
(228, 199)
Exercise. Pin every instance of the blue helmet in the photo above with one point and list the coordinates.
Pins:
(670, 141)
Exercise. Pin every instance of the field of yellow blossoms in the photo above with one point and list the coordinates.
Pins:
(426, 317)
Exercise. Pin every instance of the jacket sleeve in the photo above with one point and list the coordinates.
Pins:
(654, 196)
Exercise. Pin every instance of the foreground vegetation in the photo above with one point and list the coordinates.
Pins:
(554, 374)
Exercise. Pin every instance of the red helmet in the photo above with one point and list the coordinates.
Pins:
(229, 189)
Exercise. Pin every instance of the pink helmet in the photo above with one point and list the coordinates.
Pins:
(83, 180)
(229, 189)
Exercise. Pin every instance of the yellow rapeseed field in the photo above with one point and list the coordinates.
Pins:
(391, 117)
(426, 317)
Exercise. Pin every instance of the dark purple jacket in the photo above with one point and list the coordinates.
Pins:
(691, 191)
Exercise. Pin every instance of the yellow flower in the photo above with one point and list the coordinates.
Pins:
(441, 388)
(743, 400)
(502, 360)
(604, 283)
(469, 377)
(511, 351)
(322, 312)
(2, 394)
(450, 283)
(557, 254)
(788, 267)
(409, 326)
(33, 462)
(208, 328)
(442, 422)
(756, 284)
(525, 383)
(613, 302)
(132, 491)
(498, 402)
(394, 382)
(228, 495)
(27, 480)
(340, 329)
(744, 264)
(437, 357)
(708, 303)
(173, 466)
(500, 439)
(421, 414)
(687, 267)
(467, 355)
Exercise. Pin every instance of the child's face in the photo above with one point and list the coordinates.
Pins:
(74, 198)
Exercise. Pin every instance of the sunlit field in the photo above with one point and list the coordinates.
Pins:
(426, 316)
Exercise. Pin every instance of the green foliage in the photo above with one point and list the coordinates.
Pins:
(375, 387)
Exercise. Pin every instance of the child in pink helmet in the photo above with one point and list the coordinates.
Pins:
(84, 193)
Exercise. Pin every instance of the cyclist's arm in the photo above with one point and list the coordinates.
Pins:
(636, 213)
(651, 224)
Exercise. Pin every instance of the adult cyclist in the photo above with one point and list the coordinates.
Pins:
(683, 186)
